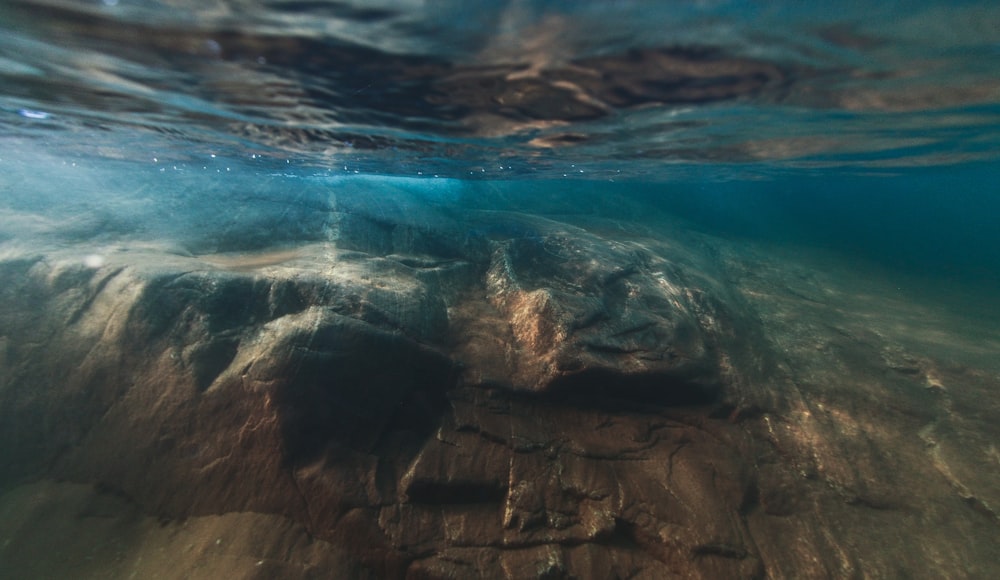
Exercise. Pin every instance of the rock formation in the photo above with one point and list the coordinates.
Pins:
(432, 392)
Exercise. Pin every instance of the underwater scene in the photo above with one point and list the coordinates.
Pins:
(440, 289)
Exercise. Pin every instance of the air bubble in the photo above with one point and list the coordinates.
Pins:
(30, 114)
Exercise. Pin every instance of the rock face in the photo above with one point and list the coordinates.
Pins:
(581, 309)
(444, 394)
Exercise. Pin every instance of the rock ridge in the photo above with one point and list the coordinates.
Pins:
(540, 399)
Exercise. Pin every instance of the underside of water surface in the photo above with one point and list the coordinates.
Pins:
(514, 289)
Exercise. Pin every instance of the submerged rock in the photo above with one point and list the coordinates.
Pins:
(589, 312)
(443, 394)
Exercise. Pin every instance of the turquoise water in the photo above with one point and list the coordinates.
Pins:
(871, 130)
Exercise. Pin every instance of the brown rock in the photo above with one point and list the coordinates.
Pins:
(541, 400)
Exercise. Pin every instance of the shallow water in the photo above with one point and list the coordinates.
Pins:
(541, 89)
(827, 175)
(875, 129)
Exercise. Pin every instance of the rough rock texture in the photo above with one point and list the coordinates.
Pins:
(442, 394)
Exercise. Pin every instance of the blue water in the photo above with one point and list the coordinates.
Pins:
(871, 130)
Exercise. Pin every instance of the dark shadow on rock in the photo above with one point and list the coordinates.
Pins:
(345, 383)
(609, 390)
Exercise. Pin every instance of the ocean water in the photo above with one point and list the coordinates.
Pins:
(857, 141)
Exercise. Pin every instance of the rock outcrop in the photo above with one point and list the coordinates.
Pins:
(435, 393)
